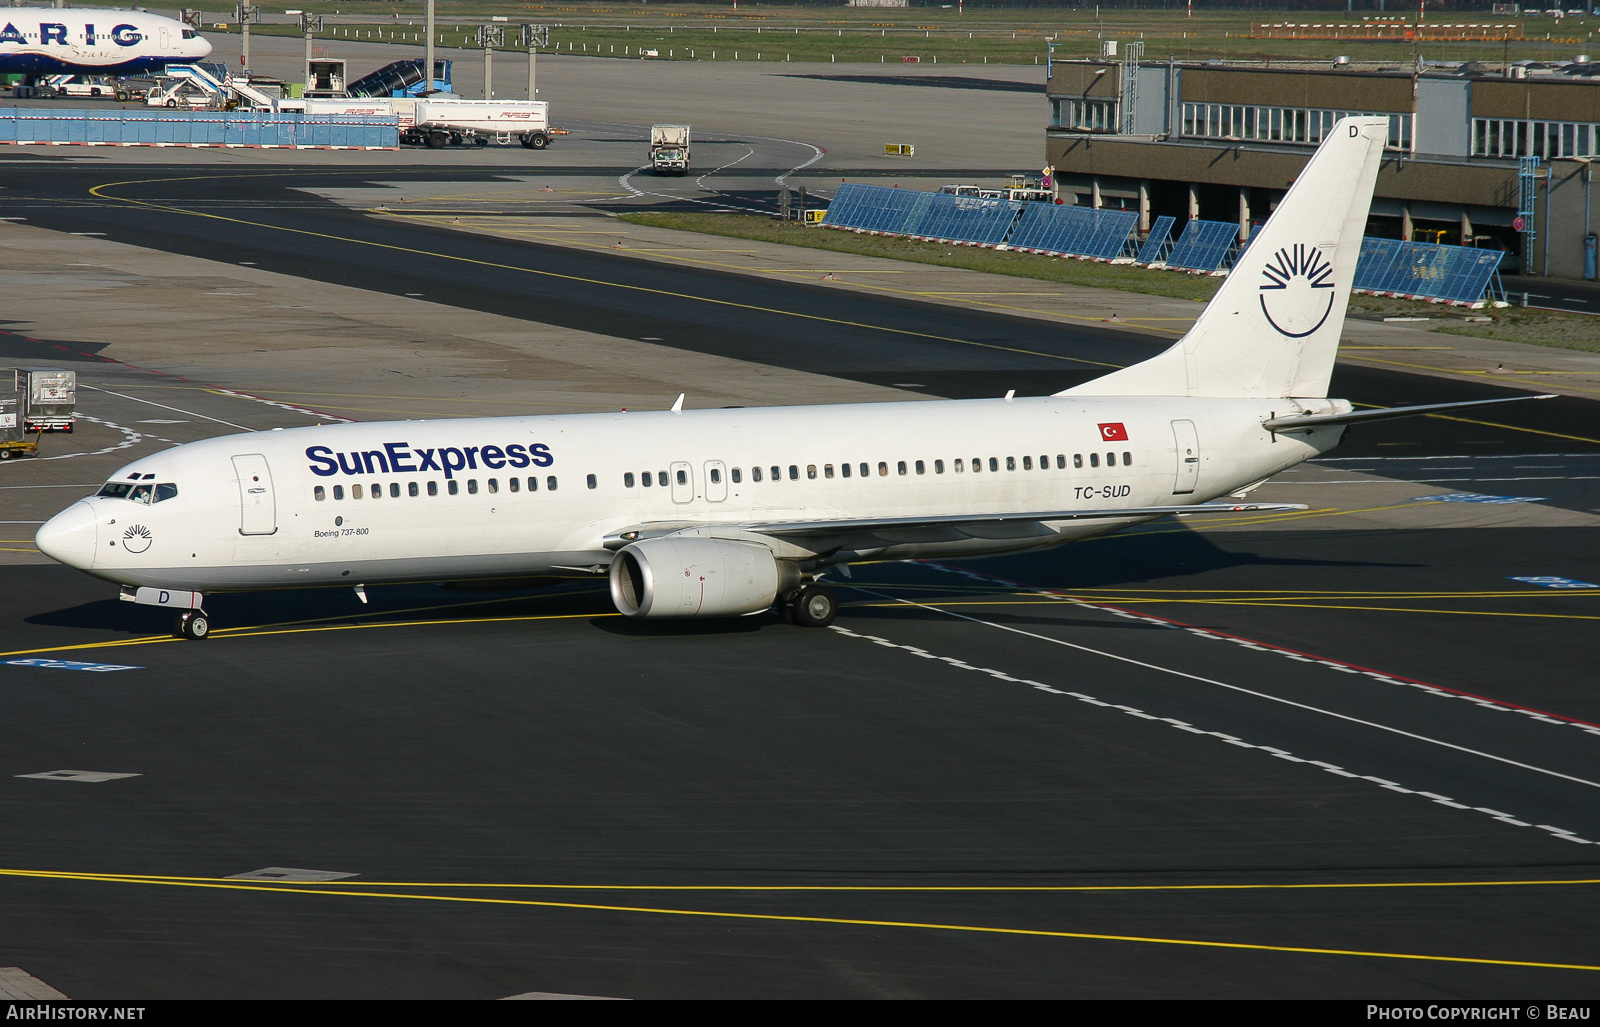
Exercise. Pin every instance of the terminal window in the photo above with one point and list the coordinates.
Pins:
(1502, 137)
(1280, 124)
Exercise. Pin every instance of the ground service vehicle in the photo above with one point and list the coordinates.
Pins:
(441, 122)
(46, 397)
(669, 149)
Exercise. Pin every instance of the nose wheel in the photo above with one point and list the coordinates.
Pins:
(194, 625)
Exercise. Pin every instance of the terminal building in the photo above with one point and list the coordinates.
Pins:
(1223, 141)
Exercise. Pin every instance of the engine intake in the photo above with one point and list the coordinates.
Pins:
(697, 577)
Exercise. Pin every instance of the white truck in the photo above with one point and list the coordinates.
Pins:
(669, 149)
(437, 123)
(46, 398)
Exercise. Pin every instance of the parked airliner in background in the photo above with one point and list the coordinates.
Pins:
(721, 513)
(51, 41)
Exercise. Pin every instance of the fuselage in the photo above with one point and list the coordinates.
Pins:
(44, 41)
(501, 497)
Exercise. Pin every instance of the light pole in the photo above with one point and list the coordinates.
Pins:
(427, 60)
(533, 37)
(245, 13)
(488, 38)
(309, 24)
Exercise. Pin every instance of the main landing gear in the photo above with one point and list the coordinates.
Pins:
(811, 606)
(194, 625)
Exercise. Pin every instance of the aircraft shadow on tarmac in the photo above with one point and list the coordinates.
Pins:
(14, 345)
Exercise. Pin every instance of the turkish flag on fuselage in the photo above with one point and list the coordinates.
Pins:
(1113, 432)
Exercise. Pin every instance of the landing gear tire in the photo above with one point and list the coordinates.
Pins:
(193, 625)
(814, 607)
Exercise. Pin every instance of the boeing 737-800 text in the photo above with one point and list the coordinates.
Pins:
(721, 513)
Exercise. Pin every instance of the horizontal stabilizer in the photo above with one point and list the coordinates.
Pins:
(1356, 416)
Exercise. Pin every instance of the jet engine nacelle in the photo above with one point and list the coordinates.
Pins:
(697, 577)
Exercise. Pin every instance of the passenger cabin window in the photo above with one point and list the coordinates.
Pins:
(994, 464)
(755, 474)
(319, 493)
(394, 490)
(938, 467)
(777, 473)
(516, 483)
(716, 476)
(864, 470)
(338, 492)
(1077, 459)
(1011, 463)
(411, 488)
(921, 467)
(433, 489)
(1061, 461)
(1044, 463)
(627, 480)
(794, 472)
(453, 487)
(1094, 459)
(355, 492)
(883, 469)
(594, 482)
(1111, 459)
(738, 475)
(533, 484)
(683, 477)
(961, 466)
(900, 466)
(472, 487)
(550, 483)
(1027, 463)
(1127, 461)
(646, 479)
(494, 484)
(977, 464)
(377, 490)
(661, 479)
(811, 472)
(827, 470)
(844, 470)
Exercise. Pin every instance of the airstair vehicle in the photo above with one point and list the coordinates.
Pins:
(401, 79)
(206, 85)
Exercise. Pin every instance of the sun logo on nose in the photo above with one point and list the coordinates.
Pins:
(137, 538)
(1289, 297)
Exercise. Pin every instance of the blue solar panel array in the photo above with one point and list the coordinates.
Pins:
(1075, 231)
(1434, 270)
(873, 208)
(1203, 246)
(1156, 240)
(199, 128)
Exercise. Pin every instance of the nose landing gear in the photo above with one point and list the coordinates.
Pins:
(193, 625)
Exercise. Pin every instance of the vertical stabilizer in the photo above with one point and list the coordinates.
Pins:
(1273, 328)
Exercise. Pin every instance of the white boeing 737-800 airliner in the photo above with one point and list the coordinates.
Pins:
(49, 41)
(721, 513)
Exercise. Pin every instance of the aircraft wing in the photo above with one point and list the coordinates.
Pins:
(945, 527)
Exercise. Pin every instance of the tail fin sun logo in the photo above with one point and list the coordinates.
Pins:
(1293, 276)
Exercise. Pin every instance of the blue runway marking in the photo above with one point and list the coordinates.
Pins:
(1551, 582)
(1474, 497)
(93, 668)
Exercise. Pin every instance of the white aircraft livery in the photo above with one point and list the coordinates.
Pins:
(48, 41)
(723, 513)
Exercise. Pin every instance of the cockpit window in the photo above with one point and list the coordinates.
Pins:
(145, 494)
(190, 34)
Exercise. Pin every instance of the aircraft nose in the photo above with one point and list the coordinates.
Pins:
(69, 536)
(205, 47)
